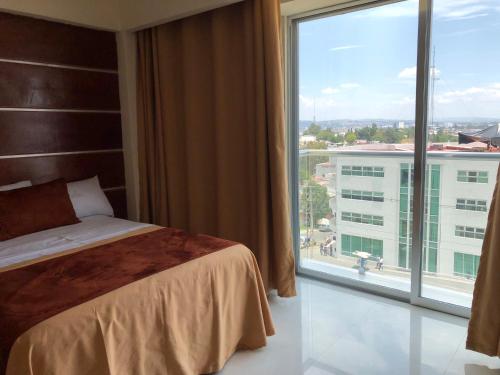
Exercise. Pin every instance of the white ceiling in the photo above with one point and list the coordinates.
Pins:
(133, 14)
(111, 14)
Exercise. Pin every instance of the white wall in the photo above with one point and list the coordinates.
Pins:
(140, 14)
(113, 15)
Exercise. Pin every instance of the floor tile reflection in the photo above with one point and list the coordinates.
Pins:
(328, 329)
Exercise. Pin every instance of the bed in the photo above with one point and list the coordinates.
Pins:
(187, 319)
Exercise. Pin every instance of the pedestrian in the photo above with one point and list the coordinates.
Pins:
(380, 264)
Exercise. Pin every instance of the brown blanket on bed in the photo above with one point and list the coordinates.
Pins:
(39, 291)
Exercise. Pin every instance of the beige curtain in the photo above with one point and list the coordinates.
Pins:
(484, 325)
(211, 131)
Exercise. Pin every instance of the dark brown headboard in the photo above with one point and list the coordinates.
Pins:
(59, 105)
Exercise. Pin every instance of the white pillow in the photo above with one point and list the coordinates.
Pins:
(17, 185)
(88, 198)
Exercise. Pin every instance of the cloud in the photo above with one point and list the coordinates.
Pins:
(411, 73)
(405, 101)
(329, 91)
(463, 32)
(346, 47)
(450, 10)
(320, 103)
(477, 94)
(306, 101)
(349, 85)
(455, 10)
(343, 86)
(408, 73)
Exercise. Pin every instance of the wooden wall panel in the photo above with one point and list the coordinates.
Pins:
(118, 200)
(29, 39)
(42, 132)
(59, 105)
(108, 166)
(31, 86)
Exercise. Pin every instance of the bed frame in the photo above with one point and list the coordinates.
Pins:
(59, 105)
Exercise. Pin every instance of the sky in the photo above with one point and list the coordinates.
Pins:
(362, 65)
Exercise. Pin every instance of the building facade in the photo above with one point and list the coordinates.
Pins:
(372, 199)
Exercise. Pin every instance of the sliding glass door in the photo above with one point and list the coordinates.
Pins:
(462, 158)
(356, 88)
(389, 127)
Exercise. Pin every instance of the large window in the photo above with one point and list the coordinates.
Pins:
(353, 244)
(463, 99)
(362, 218)
(466, 265)
(471, 204)
(363, 195)
(354, 97)
(472, 176)
(361, 170)
(469, 232)
(372, 99)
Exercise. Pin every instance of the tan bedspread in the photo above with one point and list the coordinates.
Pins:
(185, 320)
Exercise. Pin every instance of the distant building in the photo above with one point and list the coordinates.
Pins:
(304, 139)
(490, 135)
(372, 197)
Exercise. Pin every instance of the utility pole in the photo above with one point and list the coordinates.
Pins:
(434, 78)
(314, 108)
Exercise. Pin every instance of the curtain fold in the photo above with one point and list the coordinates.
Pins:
(211, 132)
(484, 325)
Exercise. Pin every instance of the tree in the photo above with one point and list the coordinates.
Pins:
(350, 137)
(442, 137)
(313, 129)
(315, 197)
(315, 145)
(307, 163)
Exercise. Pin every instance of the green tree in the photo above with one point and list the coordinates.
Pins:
(329, 136)
(307, 163)
(350, 137)
(313, 129)
(315, 197)
(442, 137)
(316, 145)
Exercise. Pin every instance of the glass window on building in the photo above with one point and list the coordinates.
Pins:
(351, 244)
(472, 176)
(469, 232)
(363, 195)
(471, 205)
(348, 170)
(431, 219)
(466, 264)
(362, 218)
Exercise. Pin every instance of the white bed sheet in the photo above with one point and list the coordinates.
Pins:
(35, 245)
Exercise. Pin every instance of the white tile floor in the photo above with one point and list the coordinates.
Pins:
(328, 329)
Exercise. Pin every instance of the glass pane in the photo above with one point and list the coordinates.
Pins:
(464, 119)
(357, 103)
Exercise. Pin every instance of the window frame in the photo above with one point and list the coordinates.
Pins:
(476, 177)
(418, 176)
